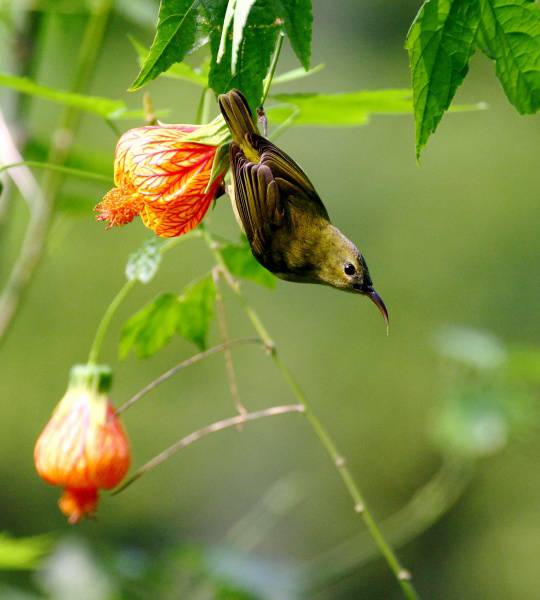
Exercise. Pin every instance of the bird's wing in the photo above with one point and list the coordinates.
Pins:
(257, 199)
(293, 183)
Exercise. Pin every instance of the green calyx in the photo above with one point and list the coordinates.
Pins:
(214, 133)
(97, 378)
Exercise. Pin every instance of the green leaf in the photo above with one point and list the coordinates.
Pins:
(298, 19)
(151, 328)
(196, 311)
(227, 20)
(241, 263)
(296, 74)
(104, 107)
(175, 37)
(180, 70)
(332, 110)
(143, 264)
(254, 54)
(22, 553)
(440, 42)
(241, 14)
(511, 36)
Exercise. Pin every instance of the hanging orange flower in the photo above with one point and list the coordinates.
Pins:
(83, 447)
(165, 177)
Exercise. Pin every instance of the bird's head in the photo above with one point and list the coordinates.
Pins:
(346, 269)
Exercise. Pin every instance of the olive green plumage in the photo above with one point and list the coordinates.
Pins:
(284, 219)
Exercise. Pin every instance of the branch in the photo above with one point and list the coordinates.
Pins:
(212, 428)
(184, 364)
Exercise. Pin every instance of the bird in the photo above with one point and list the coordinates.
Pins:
(283, 217)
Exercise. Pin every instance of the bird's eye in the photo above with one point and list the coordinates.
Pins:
(349, 268)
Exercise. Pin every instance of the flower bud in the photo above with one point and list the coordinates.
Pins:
(83, 447)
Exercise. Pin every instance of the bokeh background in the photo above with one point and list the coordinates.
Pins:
(453, 248)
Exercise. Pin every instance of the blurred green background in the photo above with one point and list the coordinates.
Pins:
(452, 242)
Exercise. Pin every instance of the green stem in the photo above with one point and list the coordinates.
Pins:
(36, 234)
(106, 320)
(57, 168)
(402, 575)
(273, 65)
(123, 293)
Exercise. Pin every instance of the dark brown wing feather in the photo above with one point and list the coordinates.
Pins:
(266, 191)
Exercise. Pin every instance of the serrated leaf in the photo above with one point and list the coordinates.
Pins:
(104, 107)
(143, 264)
(151, 328)
(298, 19)
(511, 36)
(196, 311)
(254, 55)
(175, 37)
(180, 70)
(241, 263)
(440, 42)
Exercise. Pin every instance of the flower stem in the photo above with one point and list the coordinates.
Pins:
(183, 365)
(402, 575)
(212, 428)
(273, 65)
(106, 320)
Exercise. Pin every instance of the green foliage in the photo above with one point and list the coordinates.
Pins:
(104, 107)
(175, 37)
(196, 310)
(242, 264)
(440, 44)
(180, 70)
(511, 36)
(295, 74)
(353, 108)
(143, 264)
(151, 328)
(22, 553)
(298, 19)
(188, 315)
(442, 39)
(259, 36)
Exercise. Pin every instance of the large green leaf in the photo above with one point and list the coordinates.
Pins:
(511, 36)
(332, 110)
(181, 70)
(241, 13)
(104, 107)
(254, 53)
(241, 263)
(22, 553)
(298, 19)
(175, 37)
(440, 44)
(196, 311)
(151, 328)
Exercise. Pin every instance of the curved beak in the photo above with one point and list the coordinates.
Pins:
(378, 301)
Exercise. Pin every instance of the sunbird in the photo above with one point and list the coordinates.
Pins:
(286, 223)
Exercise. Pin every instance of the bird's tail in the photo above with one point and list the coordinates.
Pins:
(237, 114)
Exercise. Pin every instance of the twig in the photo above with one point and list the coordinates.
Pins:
(36, 233)
(229, 365)
(402, 575)
(200, 433)
(184, 364)
(36, 229)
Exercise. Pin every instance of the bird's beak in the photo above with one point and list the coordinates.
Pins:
(378, 301)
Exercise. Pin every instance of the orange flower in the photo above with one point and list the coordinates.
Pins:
(83, 447)
(164, 177)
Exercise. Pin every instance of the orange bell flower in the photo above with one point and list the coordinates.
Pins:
(166, 175)
(83, 447)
